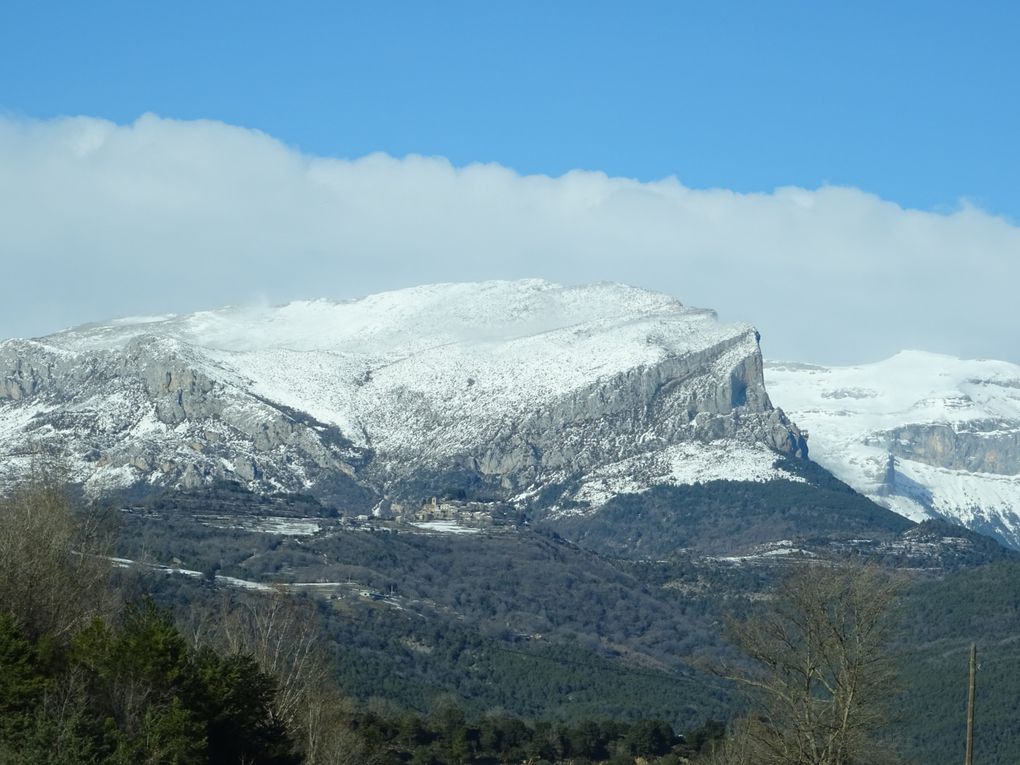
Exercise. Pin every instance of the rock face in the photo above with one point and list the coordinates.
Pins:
(511, 387)
(977, 446)
(923, 434)
(149, 414)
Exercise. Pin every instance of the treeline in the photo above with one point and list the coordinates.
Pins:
(723, 517)
(447, 737)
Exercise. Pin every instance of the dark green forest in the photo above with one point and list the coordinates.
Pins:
(104, 663)
(509, 645)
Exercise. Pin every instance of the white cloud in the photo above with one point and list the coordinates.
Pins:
(99, 220)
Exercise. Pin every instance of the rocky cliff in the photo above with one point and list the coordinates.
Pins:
(923, 434)
(510, 387)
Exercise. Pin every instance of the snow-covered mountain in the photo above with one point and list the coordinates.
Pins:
(923, 434)
(514, 387)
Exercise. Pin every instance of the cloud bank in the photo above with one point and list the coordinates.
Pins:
(99, 220)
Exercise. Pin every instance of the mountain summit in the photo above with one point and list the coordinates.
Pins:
(509, 387)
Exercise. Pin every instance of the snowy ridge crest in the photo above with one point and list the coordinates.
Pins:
(516, 383)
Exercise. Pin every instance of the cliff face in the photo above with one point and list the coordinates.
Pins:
(923, 434)
(149, 415)
(978, 446)
(514, 386)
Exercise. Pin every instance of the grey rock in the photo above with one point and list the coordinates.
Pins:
(152, 405)
(986, 446)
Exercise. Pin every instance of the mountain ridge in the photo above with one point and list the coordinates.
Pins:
(517, 385)
(927, 435)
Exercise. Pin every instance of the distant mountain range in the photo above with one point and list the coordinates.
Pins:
(926, 435)
(552, 399)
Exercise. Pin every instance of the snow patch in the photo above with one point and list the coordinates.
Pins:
(446, 527)
(683, 464)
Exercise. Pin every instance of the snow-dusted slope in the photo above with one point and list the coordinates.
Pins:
(522, 383)
(923, 434)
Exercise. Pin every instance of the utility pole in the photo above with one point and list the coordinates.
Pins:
(970, 705)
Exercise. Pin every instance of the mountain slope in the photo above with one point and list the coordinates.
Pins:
(508, 387)
(923, 434)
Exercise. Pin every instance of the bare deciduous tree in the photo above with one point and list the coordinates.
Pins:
(282, 632)
(820, 669)
(53, 565)
(326, 735)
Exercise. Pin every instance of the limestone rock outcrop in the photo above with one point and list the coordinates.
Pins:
(511, 386)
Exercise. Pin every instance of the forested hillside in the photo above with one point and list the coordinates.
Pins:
(93, 670)
(156, 636)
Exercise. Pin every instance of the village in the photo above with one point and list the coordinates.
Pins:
(440, 514)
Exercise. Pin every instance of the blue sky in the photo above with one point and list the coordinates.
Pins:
(913, 101)
(845, 173)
